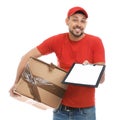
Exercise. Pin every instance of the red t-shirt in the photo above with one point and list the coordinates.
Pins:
(68, 52)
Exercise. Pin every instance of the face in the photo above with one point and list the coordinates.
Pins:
(76, 24)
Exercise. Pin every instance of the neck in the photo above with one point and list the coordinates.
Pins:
(73, 38)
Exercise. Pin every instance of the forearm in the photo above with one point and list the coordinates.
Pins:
(20, 68)
(32, 53)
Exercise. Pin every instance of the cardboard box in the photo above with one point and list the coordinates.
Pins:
(42, 83)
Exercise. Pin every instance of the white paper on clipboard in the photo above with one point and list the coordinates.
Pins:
(80, 74)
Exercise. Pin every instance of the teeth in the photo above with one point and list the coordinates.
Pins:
(77, 29)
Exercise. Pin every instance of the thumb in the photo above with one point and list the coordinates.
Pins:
(85, 62)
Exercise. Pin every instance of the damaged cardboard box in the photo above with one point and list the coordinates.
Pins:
(41, 84)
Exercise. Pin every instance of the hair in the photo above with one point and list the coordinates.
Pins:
(80, 12)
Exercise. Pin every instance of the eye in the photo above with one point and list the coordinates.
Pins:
(74, 20)
(83, 21)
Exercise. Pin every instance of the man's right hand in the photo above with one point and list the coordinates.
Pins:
(12, 92)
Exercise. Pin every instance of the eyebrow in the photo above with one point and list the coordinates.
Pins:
(77, 17)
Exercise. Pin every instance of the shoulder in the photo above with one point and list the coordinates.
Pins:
(93, 37)
(60, 36)
(56, 39)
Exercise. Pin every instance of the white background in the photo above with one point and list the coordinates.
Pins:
(26, 23)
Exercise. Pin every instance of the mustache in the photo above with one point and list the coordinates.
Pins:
(78, 27)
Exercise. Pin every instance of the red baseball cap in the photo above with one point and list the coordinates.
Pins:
(76, 9)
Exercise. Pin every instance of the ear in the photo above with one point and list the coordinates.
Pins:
(67, 21)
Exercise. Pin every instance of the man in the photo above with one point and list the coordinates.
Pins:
(77, 46)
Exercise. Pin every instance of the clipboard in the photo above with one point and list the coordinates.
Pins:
(85, 75)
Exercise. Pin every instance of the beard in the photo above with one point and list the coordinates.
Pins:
(76, 34)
